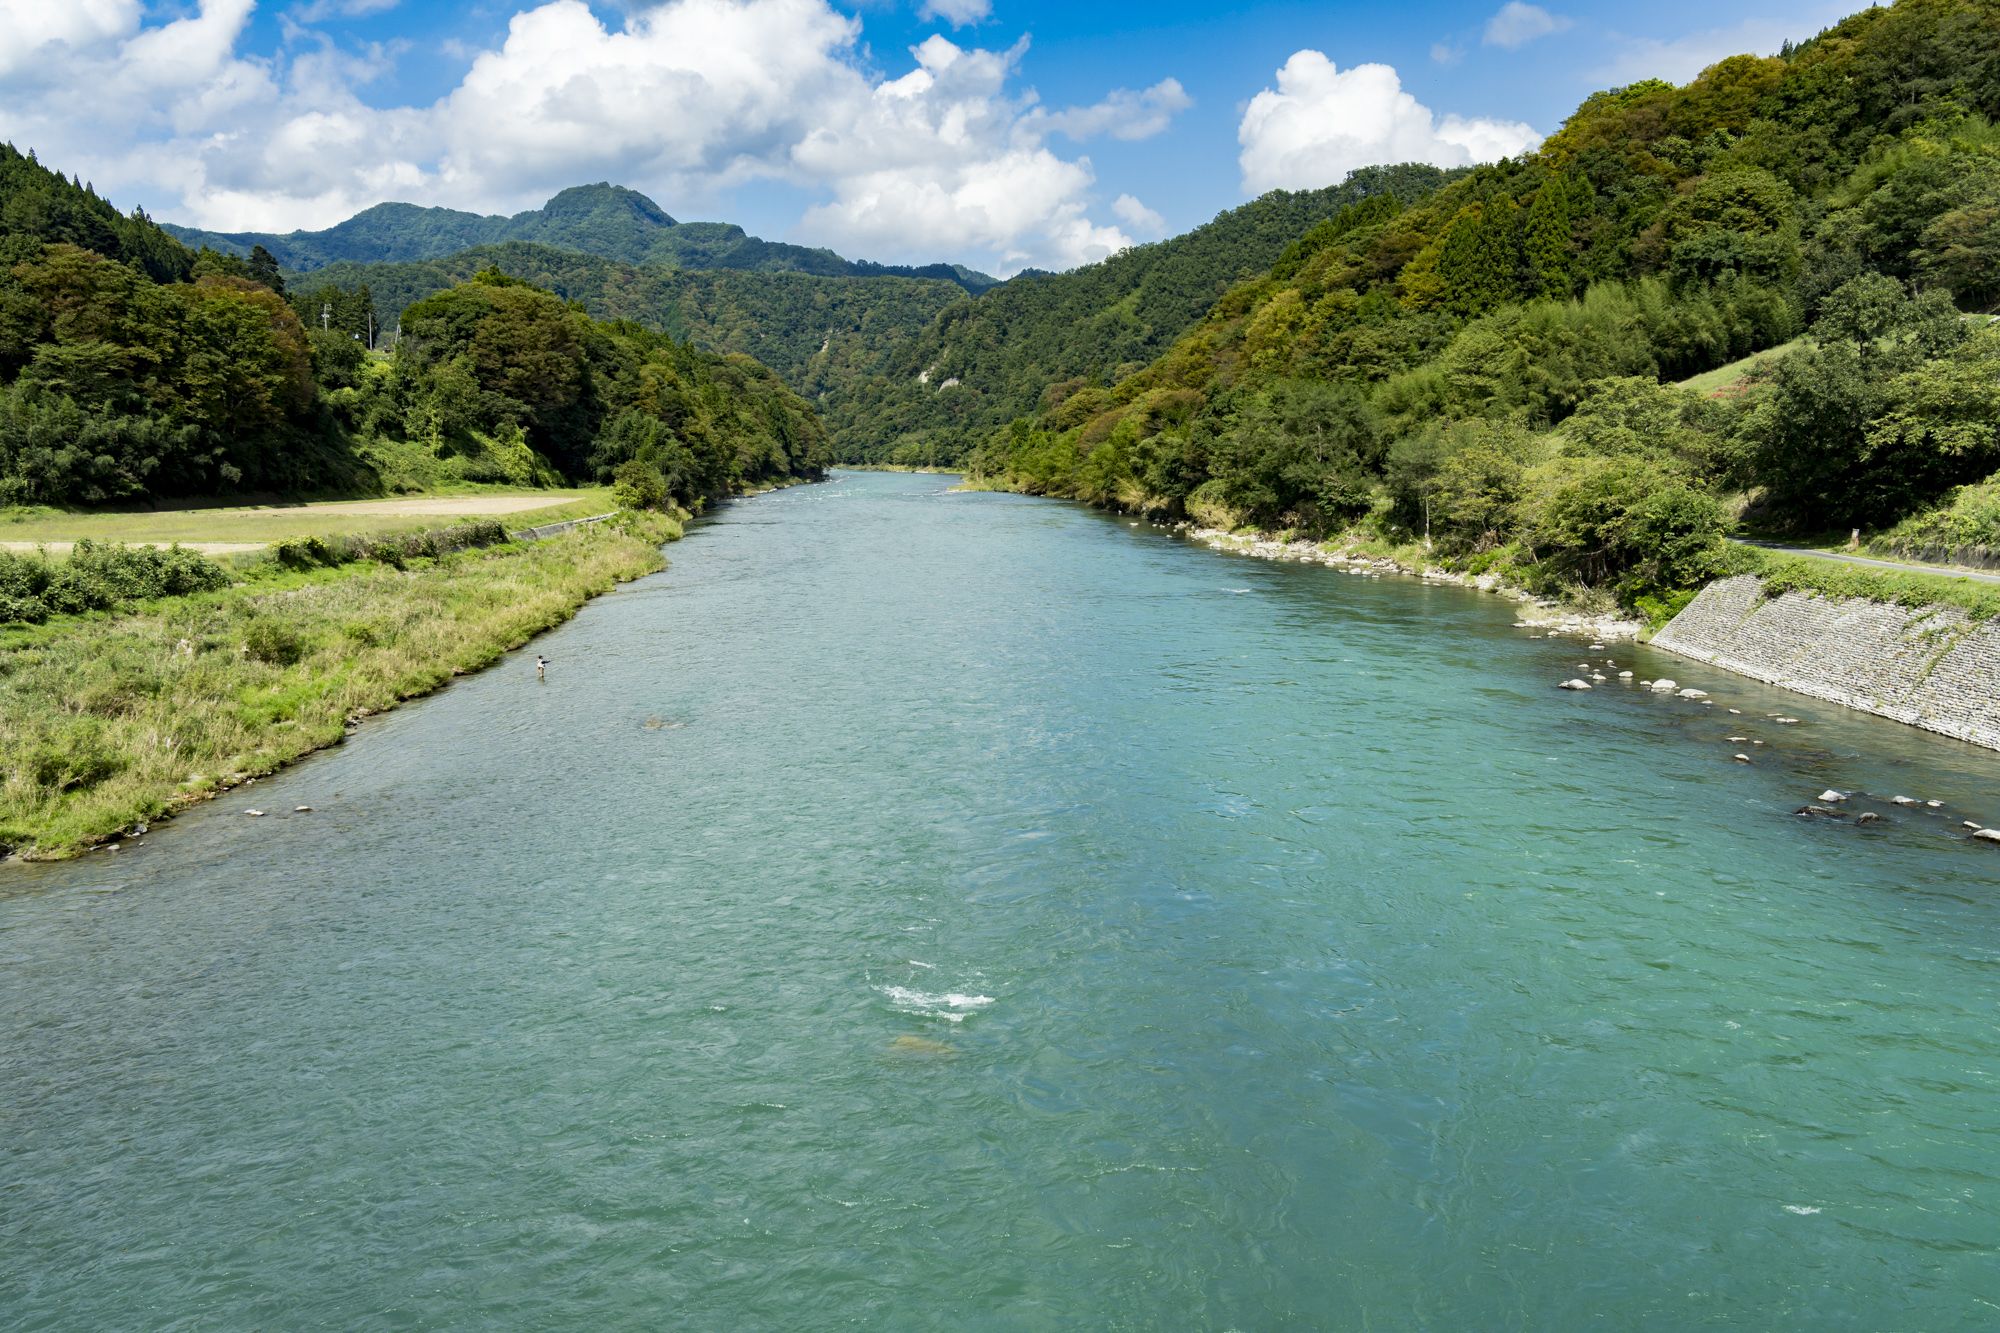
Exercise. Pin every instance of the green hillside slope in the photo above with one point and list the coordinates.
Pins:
(132, 370)
(1483, 368)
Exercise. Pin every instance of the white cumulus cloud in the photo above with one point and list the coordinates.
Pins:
(1321, 122)
(945, 158)
(38, 29)
(1516, 24)
(1138, 217)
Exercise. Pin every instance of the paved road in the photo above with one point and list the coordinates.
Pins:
(1945, 571)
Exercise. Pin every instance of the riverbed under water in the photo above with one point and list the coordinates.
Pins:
(926, 910)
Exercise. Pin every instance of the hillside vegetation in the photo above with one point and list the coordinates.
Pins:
(815, 332)
(905, 370)
(1488, 368)
(132, 370)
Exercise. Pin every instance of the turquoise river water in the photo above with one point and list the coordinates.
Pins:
(921, 910)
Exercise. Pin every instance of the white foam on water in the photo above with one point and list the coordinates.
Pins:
(951, 1005)
(1801, 1209)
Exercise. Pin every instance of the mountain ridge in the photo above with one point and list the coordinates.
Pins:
(605, 220)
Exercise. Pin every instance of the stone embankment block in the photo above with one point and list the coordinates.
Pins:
(1932, 667)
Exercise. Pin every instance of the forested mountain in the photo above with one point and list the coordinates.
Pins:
(131, 369)
(986, 360)
(813, 331)
(1490, 366)
(905, 370)
(607, 221)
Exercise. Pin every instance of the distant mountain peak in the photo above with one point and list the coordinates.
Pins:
(601, 198)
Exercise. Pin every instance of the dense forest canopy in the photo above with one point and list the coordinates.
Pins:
(816, 332)
(133, 369)
(1492, 366)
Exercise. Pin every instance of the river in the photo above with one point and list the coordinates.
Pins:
(923, 910)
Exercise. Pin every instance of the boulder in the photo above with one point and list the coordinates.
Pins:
(1832, 797)
(1904, 800)
(1988, 835)
(1574, 685)
(1665, 686)
(1694, 694)
(1868, 817)
(1818, 812)
(254, 814)
(1742, 758)
(1624, 675)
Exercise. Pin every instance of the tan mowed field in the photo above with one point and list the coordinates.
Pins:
(233, 529)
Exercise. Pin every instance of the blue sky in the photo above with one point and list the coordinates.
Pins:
(997, 132)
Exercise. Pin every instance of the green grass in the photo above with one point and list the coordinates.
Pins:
(1829, 578)
(236, 523)
(110, 720)
(1724, 378)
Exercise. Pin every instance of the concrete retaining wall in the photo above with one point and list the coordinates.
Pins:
(1932, 667)
(548, 530)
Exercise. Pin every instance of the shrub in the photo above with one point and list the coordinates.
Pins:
(99, 578)
(75, 758)
(639, 485)
(273, 641)
(302, 553)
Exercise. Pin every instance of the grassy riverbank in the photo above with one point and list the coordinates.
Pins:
(107, 721)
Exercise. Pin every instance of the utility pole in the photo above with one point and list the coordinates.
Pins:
(325, 316)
